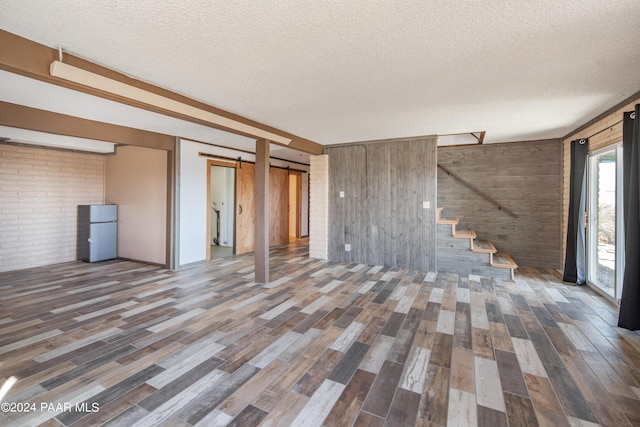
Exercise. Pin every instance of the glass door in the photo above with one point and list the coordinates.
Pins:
(604, 221)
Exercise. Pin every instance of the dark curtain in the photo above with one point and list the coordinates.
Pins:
(574, 262)
(630, 303)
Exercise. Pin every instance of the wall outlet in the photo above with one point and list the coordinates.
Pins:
(342, 194)
(347, 247)
(426, 205)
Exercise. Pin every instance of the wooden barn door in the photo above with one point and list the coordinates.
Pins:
(245, 208)
(278, 206)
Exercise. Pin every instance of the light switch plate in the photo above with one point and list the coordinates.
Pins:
(426, 205)
(347, 247)
(342, 194)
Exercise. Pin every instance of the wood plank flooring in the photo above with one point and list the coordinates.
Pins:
(323, 344)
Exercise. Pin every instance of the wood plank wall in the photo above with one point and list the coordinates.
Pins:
(526, 178)
(381, 214)
(609, 132)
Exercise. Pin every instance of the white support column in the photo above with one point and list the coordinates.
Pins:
(319, 207)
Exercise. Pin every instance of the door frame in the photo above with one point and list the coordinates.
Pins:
(298, 207)
(619, 224)
(223, 164)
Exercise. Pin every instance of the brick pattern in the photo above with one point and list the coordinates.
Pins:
(39, 193)
(319, 207)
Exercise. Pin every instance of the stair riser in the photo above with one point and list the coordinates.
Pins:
(446, 239)
(455, 255)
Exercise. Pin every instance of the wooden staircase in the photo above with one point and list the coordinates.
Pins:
(459, 251)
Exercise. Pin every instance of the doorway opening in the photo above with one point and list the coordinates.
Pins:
(604, 221)
(221, 185)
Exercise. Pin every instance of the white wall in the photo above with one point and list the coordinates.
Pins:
(192, 181)
(193, 203)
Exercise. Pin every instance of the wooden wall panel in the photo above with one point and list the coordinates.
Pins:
(566, 177)
(278, 206)
(606, 131)
(525, 177)
(381, 214)
(601, 133)
(245, 212)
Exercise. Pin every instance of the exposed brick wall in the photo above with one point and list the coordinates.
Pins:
(319, 207)
(40, 190)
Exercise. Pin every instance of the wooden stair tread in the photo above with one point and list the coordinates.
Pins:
(485, 246)
(450, 221)
(464, 234)
(499, 260)
(503, 260)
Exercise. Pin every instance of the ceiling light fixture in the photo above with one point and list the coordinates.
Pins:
(86, 78)
(43, 139)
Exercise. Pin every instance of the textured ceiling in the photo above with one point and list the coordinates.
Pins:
(339, 71)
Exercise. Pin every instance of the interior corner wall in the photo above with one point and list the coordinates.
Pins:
(136, 180)
(525, 177)
(40, 190)
(386, 213)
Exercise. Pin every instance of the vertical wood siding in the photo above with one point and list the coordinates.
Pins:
(525, 177)
(381, 214)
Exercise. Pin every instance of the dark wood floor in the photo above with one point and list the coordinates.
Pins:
(324, 343)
